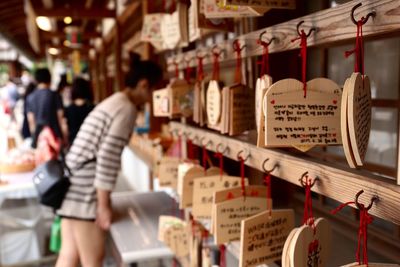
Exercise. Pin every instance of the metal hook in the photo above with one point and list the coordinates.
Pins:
(261, 42)
(361, 206)
(298, 29)
(236, 46)
(240, 157)
(202, 143)
(363, 20)
(220, 146)
(304, 183)
(271, 170)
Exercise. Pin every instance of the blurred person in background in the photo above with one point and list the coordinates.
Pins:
(64, 90)
(81, 106)
(94, 159)
(26, 133)
(44, 107)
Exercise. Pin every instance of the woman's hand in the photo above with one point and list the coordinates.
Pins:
(104, 217)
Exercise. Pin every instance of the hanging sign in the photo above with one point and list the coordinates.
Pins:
(262, 85)
(151, 30)
(311, 245)
(282, 4)
(203, 191)
(176, 237)
(231, 206)
(241, 110)
(295, 120)
(358, 103)
(217, 9)
(168, 172)
(263, 237)
(185, 183)
(213, 103)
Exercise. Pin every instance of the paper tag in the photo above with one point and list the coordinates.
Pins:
(213, 103)
(168, 172)
(308, 247)
(359, 115)
(203, 191)
(230, 213)
(283, 4)
(293, 120)
(263, 237)
(262, 85)
(241, 110)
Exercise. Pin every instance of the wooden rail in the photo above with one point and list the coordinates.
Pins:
(333, 25)
(335, 182)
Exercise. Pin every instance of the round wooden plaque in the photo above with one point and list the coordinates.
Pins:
(285, 251)
(213, 103)
(344, 127)
(309, 249)
(359, 115)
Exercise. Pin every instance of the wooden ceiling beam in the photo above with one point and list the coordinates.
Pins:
(85, 35)
(93, 13)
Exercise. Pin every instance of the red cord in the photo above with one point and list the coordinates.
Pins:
(215, 74)
(242, 176)
(222, 259)
(238, 71)
(303, 55)
(267, 181)
(365, 219)
(358, 49)
(308, 217)
(264, 62)
(200, 71)
(180, 147)
(220, 156)
(190, 149)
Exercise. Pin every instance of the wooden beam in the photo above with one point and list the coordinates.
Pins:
(336, 181)
(128, 12)
(93, 13)
(333, 25)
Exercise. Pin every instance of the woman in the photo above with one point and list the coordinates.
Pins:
(80, 107)
(25, 126)
(94, 159)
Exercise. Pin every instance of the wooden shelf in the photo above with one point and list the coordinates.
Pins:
(333, 25)
(338, 183)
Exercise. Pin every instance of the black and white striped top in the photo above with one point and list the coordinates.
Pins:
(100, 140)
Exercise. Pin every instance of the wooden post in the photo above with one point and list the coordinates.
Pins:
(119, 82)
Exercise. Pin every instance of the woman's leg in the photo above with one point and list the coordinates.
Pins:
(90, 240)
(68, 256)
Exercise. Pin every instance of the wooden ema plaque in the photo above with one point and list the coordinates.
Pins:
(161, 106)
(262, 85)
(263, 237)
(285, 260)
(180, 99)
(176, 237)
(168, 172)
(185, 183)
(359, 115)
(230, 213)
(241, 110)
(344, 125)
(281, 4)
(164, 222)
(170, 30)
(203, 192)
(293, 120)
(213, 103)
(216, 9)
(197, 102)
(309, 247)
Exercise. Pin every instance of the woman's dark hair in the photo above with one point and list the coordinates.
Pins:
(42, 75)
(29, 89)
(63, 83)
(142, 70)
(81, 88)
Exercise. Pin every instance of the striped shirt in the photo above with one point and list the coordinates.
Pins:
(99, 144)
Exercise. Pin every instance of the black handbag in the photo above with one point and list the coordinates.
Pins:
(51, 180)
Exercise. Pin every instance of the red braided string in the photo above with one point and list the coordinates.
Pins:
(238, 71)
(303, 55)
(264, 62)
(190, 149)
(222, 259)
(220, 156)
(200, 71)
(215, 74)
(180, 146)
(242, 177)
(308, 217)
(365, 219)
(188, 72)
(358, 50)
(267, 181)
